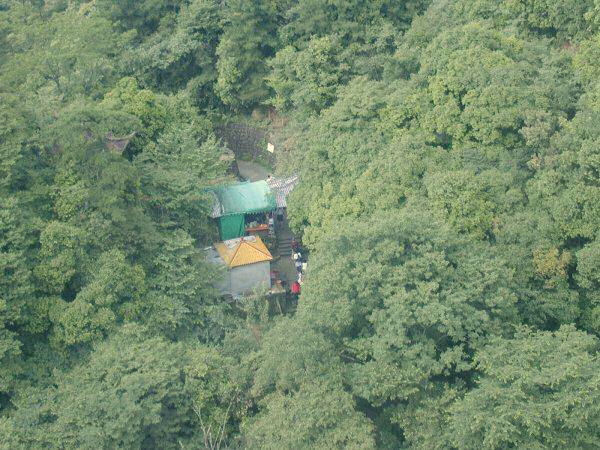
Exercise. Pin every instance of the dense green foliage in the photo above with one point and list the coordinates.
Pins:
(449, 157)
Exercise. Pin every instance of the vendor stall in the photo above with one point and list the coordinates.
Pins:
(233, 203)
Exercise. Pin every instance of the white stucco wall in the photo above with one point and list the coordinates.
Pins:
(247, 278)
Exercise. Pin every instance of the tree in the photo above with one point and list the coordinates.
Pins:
(248, 39)
(141, 103)
(307, 80)
(565, 183)
(319, 416)
(462, 201)
(565, 20)
(181, 300)
(114, 294)
(124, 396)
(536, 390)
(448, 162)
(467, 84)
(301, 393)
(350, 19)
(174, 173)
(186, 56)
(588, 266)
(144, 18)
(23, 194)
(73, 53)
(399, 318)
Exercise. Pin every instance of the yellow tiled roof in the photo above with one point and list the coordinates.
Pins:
(242, 251)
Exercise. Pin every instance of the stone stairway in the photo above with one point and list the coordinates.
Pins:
(284, 263)
(284, 245)
(284, 238)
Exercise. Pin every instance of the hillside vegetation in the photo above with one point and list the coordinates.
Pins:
(449, 157)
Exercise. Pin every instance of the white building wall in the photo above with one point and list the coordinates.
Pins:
(244, 279)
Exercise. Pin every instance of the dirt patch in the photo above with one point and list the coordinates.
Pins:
(252, 171)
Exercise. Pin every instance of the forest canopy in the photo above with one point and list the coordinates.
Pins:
(449, 161)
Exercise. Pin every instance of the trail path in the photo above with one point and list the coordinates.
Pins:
(285, 264)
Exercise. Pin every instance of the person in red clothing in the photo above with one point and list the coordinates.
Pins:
(296, 288)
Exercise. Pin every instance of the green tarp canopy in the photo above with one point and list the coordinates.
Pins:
(236, 200)
(231, 227)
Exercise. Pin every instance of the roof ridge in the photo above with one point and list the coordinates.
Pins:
(237, 249)
(239, 246)
(239, 255)
(254, 245)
